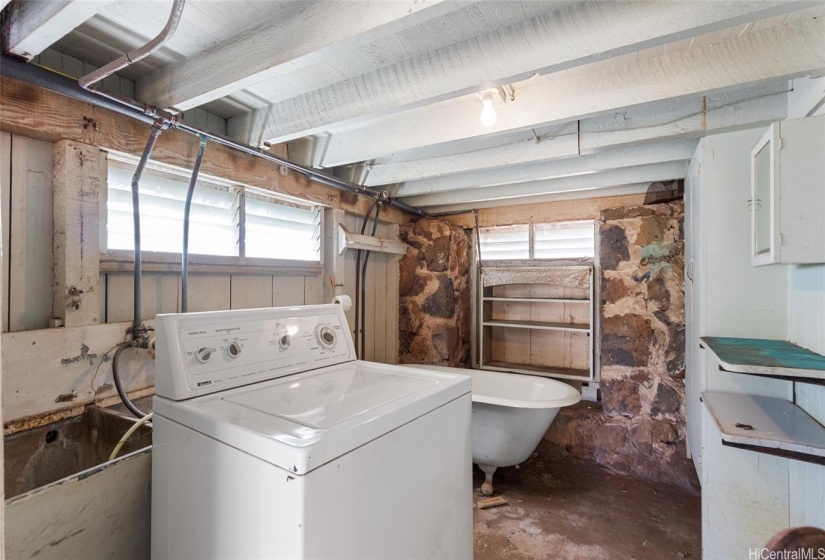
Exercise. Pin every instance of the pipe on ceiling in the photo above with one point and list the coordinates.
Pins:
(15, 69)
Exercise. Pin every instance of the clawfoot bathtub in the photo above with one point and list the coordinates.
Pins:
(511, 413)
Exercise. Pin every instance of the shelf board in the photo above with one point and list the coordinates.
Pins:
(536, 300)
(538, 325)
(768, 358)
(541, 371)
(767, 425)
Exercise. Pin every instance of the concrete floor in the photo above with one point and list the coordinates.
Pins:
(580, 511)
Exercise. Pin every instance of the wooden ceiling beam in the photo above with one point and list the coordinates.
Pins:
(659, 121)
(756, 56)
(576, 34)
(31, 26)
(42, 114)
(510, 194)
(245, 59)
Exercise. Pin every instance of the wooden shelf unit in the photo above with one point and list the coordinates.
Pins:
(778, 359)
(767, 425)
(537, 320)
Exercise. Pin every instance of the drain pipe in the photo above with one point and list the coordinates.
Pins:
(184, 265)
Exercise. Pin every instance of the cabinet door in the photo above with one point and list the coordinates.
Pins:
(693, 385)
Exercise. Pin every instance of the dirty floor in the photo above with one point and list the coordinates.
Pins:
(580, 511)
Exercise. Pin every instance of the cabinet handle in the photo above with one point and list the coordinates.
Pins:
(758, 204)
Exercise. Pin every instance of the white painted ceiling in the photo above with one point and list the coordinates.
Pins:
(608, 96)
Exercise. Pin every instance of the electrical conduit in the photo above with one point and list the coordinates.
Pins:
(184, 283)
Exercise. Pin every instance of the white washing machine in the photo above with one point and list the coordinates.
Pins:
(272, 441)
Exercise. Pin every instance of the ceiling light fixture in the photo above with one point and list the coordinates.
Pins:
(488, 114)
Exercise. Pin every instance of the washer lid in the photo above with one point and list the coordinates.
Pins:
(305, 420)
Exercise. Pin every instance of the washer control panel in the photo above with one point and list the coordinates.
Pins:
(201, 353)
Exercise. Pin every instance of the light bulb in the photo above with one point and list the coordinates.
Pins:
(488, 114)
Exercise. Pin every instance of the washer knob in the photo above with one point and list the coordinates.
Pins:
(285, 341)
(326, 336)
(234, 349)
(203, 354)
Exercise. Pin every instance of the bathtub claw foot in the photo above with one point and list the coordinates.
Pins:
(487, 486)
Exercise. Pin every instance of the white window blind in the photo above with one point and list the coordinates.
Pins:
(559, 240)
(564, 240)
(271, 229)
(278, 231)
(504, 243)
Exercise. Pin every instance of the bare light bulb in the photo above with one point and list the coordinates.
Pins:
(488, 114)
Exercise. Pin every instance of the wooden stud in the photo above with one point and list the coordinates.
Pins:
(77, 185)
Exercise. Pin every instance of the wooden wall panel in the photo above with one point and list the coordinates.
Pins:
(251, 292)
(806, 327)
(5, 203)
(287, 290)
(27, 231)
(209, 292)
(160, 293)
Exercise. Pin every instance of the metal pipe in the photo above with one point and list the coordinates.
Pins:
(41, 77)
(364, 288)
(184, 282)
(147, 151)
(141, 52)
(119, 385)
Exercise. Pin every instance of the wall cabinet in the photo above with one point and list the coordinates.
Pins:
(537, 320)
(787, 199)
(744, 494)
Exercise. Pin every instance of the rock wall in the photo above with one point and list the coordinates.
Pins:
(435, 315)
(639, 428)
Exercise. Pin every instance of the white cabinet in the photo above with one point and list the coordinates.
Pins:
(727, 296)
(787, 199)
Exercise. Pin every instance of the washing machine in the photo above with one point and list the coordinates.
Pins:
(272, 441)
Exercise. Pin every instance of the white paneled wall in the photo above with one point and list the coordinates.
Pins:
(806, 327)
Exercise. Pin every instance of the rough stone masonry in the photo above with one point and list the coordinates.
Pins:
(435, 314)
(639, 429)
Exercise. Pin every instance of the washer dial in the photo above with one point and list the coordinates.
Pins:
(234, 349)
(326, 336)
(284, 342)
(203, 354)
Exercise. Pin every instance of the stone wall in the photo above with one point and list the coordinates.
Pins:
(639, 427)
(435, 314)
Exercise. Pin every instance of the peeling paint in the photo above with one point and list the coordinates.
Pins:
(84, 355)
(105, 388)
(655, 251)
(66, 397)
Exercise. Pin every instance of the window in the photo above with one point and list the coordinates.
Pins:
(553, 241)
(225, 219)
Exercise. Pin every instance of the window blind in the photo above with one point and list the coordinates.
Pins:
(564, 240)
(504, 243)
(277, 231)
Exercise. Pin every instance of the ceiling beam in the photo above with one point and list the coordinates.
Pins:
(754, 57)
(613, 158)
(576, 34)
(503, 195)
(519, 209)
(31, 26)
(253, 55)
(662, 120)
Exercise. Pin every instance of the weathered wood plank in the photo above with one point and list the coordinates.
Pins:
(209, 292)
(251, 292)
(32, 26)
(54, 369)
(108, 512)
(38, 113)
(555, 211)
(79, 175)
(30, 248)
(287, 291)
(765, 357)
(391, 311)
(5, 202)
(159, 294)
